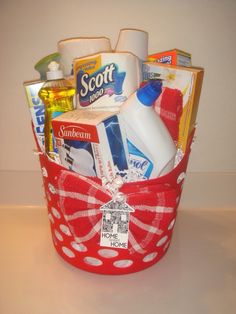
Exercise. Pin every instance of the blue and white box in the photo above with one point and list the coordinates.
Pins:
(37, 109)
(92, 143)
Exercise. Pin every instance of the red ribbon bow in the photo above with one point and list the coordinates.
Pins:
(80, 199)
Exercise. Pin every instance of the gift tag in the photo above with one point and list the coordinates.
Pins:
(115, 224)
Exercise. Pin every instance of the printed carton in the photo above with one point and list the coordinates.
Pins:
(37, 110)
(91, 143)
(188, 80)
(174, 57)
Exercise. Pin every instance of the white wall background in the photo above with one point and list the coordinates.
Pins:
(31, 29)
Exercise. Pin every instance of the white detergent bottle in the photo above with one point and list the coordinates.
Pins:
(151, 148)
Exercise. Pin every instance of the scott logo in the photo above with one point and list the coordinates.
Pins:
(89, 84)
(106, 81)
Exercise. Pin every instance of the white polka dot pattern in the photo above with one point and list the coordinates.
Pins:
(58, 235)
(92, 261)
(56, 213)
(123, 263)
(150, 257)
(65, 230)
(51, 218)
(171, 225)
(79, 247)
(68, 252)
(162, 241)
(108, 253)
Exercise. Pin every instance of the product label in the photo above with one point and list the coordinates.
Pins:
(140, 165)
(116, 145)
(32, 94)
(54, 115)
(36, 106)
(165, 59)
(77, 156)
(37, 111)
(38, 118)
(80, 132)
(94, 81)
(115, 224)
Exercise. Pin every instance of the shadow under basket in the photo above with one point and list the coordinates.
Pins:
(74, 203)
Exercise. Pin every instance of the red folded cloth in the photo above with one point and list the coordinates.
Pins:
(80, 200)
(169, 107)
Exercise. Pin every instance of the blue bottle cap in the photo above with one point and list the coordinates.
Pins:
(149, 92)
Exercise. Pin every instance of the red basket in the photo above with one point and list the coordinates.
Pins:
(74, 203)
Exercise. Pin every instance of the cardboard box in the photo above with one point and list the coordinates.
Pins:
(37, 109)
(174, 57)
(189, 81)
(91, 143)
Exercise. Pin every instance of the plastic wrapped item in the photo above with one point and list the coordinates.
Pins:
(104, 81)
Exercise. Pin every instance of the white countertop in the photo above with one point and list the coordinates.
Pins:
(197, 275)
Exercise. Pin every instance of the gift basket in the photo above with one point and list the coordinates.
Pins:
(113, 131)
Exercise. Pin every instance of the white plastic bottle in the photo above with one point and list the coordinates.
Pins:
(151, 148)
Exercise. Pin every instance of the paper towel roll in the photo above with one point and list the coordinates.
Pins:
(134, 41)
(72, 48)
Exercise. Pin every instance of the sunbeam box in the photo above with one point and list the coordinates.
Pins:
(91, 143)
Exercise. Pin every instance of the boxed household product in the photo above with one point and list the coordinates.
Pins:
(174, 57)
(91, 143)
(187, 80)
(106, 80)
(37, 110)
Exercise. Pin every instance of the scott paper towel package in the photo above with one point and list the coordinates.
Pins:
(106, 80)
(91, 143)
